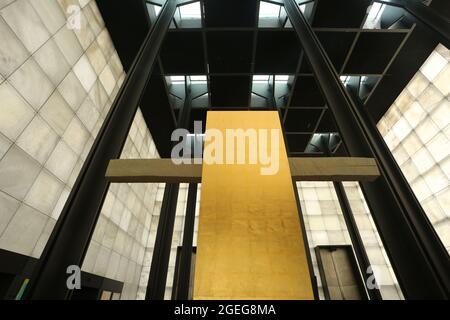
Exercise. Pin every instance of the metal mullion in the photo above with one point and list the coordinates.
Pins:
(205, 52)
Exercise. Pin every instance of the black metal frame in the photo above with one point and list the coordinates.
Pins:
(161, 253)
(176, 275)
(320, 121)
(157, 280)
(425, 15)
(297, 139)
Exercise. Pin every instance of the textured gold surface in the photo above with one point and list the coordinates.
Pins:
(250, 243)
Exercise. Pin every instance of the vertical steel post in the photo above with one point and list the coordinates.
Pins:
(156, 287)
(161, 253)
(184, 276)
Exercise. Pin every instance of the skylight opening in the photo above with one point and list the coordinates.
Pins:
(345, 79)
(176, 79)
(302, 8)
(191, 11)
(375, 11)
(281, 79)
(199, 79)
(269, 10)
(260, 78)
(157, 10)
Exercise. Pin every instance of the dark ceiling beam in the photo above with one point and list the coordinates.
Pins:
(124, 30)
(127, 24)
(301, 61)
(431, 18)
(418, 47)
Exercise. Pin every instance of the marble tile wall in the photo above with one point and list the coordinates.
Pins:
(417, 130)
(56, 87)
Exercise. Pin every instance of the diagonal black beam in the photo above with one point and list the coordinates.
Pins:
(71, 236)
(418, 257)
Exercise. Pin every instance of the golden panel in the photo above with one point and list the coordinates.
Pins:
(250, 243)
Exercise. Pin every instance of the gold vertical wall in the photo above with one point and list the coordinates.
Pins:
(250, 244)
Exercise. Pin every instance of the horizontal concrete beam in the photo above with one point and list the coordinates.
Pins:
(302, 169)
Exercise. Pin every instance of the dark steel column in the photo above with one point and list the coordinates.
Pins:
(184, 276)
(161, 253)
(418, 257)
(426, 15)
(157, 280)
(358, 244)
(71, 236)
